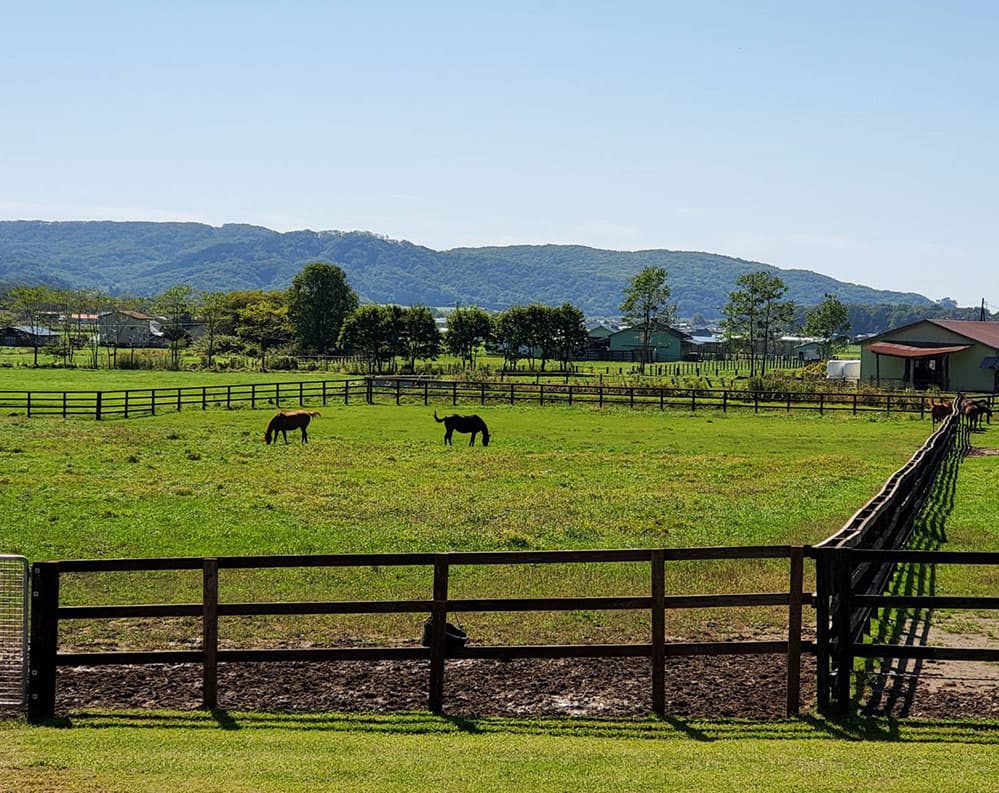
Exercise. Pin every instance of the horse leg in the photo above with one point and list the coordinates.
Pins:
(285, 433)
(471, 441)
(305, 436)
(447, 436)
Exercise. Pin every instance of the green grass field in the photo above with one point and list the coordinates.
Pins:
(165, 752)
(378, 479)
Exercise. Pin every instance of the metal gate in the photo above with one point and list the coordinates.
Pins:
(13, 630)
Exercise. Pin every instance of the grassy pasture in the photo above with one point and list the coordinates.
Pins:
(377, 478)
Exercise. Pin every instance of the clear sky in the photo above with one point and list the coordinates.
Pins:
(856, 139)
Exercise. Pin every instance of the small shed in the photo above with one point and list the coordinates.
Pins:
(949, 354)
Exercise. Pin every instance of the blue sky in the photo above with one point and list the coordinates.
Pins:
(858, 140)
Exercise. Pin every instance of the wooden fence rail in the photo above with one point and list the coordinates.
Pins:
(850, 588)
(131, 403)
(847, 563)
(47, 614)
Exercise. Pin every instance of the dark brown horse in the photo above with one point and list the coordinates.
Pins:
(472, 424)
(940, 410)
(285, 420)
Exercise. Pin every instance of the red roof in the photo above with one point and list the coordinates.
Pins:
(908, 351)
(982, 332)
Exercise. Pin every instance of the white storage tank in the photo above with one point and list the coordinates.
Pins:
(842, 370)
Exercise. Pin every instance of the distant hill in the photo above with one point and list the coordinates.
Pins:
(146, 258)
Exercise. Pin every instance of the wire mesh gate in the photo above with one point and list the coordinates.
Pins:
(13, 630)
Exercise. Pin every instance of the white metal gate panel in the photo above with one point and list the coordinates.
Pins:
(13, 630)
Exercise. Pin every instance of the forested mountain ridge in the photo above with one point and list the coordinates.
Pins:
(145, 258)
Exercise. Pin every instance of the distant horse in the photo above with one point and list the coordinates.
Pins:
(973, 410)
(285, 420)
(940, 410)
(472, 424)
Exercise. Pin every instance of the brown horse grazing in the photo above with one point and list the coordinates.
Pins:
(285, 420)
(472, 424)
(973, 410)
(940, 410)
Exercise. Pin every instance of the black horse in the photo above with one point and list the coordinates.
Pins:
(472, 424)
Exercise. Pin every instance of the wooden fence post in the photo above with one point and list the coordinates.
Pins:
(659, 632)
(482, 400)
(253, 395)
(44, 641)
(844, 637)
(210, 632)
(454, 393)
(796, 576)
(179, 401)
(97, 405)
(438, 633)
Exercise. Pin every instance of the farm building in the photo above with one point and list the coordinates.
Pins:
(667, 344)
(122, 328)
(26, 336)
(949, 354)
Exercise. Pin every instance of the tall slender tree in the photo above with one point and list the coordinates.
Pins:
(756, 313)
(645, 304)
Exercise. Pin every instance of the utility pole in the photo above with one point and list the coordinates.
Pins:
(981, 314)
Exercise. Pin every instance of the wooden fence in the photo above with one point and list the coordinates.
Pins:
(850, 586)
(132, 403)
(47, 614)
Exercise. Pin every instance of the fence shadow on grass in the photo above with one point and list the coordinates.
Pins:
(888, 686)
(651, 728)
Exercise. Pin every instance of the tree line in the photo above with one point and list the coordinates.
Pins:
(320, 314)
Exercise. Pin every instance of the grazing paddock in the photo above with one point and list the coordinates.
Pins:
(377, 479)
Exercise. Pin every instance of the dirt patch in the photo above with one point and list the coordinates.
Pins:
(979, 451)
(747, 687)
(940, 689)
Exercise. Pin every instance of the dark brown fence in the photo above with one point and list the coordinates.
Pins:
(846, 567)
(850, 585)
(410, 390)
(131, 403)
(47, 614)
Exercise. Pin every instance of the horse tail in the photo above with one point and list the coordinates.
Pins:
(435, 417)
(314, 413)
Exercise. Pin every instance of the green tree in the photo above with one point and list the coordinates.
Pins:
(512, 334)
(368, 332)
(32, 306)
(319, 300)
(569, 325)
(175, 306)
(420, 336)
(645, 304)
(467, 330)
(829, 321)
(212, 310)
(755, 313)
(264, 323)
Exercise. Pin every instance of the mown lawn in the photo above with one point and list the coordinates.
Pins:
(165, 752)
